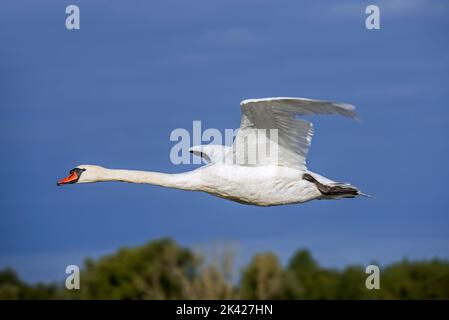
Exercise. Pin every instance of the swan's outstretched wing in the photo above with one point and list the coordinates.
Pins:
(294, 135)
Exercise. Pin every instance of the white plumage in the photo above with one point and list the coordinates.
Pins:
(243, 172)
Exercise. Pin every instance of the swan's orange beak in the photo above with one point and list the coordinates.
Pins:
(72, 178)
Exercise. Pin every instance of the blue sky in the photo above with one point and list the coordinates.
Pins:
(112, 92)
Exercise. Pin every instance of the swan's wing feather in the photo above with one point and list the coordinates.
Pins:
(298, 106)
(294, 135)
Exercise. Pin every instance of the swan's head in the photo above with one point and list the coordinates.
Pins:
(83, 174)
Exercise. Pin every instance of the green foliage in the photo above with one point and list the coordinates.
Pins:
(11, 288)
(158, 270)
(417, 280)
(264, 278)
(315, 282)
(163, 270)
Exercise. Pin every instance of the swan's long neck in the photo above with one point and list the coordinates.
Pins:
(186, 180)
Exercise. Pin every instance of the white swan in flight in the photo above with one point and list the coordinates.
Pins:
(278, 178)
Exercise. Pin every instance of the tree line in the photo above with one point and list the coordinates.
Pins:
(162, 269)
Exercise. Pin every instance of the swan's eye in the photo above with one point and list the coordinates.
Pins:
(77, 170)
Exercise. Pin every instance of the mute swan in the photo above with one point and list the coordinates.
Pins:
(277, 180)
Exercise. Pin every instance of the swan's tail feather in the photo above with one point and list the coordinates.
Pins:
(365, 195)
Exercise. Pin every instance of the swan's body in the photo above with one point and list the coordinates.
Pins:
(273, 179)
